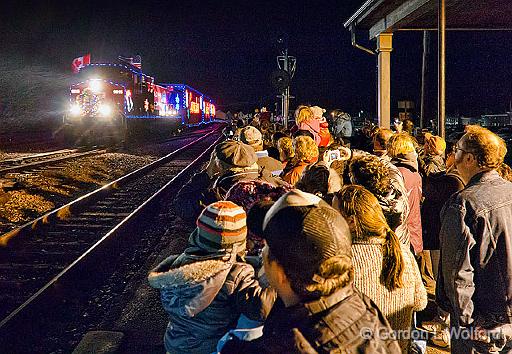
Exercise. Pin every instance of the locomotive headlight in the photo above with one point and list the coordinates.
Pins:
(95, 85)
(105, 110)
(75, 110)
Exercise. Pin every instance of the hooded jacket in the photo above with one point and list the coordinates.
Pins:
(204, 295)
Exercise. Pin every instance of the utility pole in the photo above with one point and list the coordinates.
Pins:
(286, 63)
(424, 75)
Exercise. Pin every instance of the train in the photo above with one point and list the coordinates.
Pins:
(114, 99)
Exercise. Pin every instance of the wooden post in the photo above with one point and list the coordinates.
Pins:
(384, 48)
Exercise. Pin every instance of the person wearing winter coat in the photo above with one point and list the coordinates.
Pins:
(306, 153)
(253, 137)
(205, 289)
(342, 126)
(385, 181)
(432, 159)
(325, 135)
(230, 162)
(403, 155)
(305, 120)
(384, 269)
(308, 260)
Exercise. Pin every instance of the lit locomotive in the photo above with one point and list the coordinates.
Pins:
(114, 98)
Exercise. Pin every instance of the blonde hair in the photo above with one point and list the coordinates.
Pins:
(285, 148)
(400, 144)
(489, 149)
(303, 114)
(369, 222)
(305, 149)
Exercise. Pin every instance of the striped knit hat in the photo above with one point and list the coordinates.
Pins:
(220, 226)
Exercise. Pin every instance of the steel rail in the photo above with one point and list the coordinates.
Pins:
(47, 161)
(38, 155)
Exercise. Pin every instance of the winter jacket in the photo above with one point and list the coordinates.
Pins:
(340, 323)
(475, 275)
(204, 295)
(269, 164)
(343, 126)
(201, 191)
(293, 173)
(223, 183)
(431, 164)
(437, 189)
(395, 204)
(396, 305)
(408, 166)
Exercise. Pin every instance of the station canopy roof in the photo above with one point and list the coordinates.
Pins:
(379, 16)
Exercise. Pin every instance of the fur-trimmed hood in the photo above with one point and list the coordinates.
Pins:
(190, 287)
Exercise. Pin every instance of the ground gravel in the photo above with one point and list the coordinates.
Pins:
(40, 191)
(18, 206)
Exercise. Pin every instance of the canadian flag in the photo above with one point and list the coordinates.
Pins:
(80, 62)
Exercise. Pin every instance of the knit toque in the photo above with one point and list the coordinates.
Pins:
(220, 226)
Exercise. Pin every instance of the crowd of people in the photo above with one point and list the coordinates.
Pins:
(310, 241)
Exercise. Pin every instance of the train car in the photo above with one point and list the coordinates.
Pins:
(109, 99)
(192, 106)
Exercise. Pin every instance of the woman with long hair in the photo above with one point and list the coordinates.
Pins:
(384, 269)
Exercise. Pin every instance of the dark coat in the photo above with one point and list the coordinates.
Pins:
(436, 191)
(335, 323)
(193, 197)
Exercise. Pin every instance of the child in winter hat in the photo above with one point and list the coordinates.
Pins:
(205, 289)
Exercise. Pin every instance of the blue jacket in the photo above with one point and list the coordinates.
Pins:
(475, 276)
(204, 295)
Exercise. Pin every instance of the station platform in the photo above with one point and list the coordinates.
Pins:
(141, 324)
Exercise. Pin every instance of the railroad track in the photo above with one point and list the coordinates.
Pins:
(51, 157)
(55, 259)
(45, 158)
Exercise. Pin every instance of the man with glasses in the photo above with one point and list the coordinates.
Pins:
(475, 276)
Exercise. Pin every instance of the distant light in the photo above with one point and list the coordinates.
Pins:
(128, 93)
(75, 90)
(75, 109)
(105, 110)
(95, 85)
(117, 92)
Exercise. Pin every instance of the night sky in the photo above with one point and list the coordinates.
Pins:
(227, 49)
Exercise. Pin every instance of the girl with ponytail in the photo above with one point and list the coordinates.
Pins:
(384, 269)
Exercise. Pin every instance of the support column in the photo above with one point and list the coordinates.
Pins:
(441, 97)
(384, 48)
